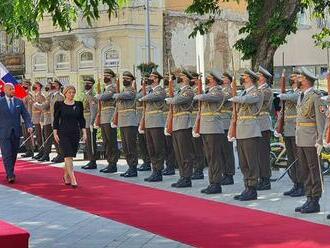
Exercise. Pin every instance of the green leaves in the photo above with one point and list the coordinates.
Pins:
(20, 18)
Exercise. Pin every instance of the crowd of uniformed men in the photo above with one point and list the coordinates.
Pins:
(162, 152)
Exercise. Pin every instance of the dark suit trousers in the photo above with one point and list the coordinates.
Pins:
(48, 139)
(183, 148)
(9, 148)
(169, 152)
(38, 135)
(214, 152)
(91, 146)
(295, 173)
(143, 148)
(264, 153)
(199, 158)
(28, 145)
(308, 161)
(229, 159)
(109, 136)
(128, 139)
(248, 154)
(155, 139)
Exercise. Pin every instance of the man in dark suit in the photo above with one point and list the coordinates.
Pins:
(11, 111)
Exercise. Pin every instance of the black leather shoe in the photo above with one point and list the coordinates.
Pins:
(156, 176)
(168, 171)
(312, 207)
(145, 167)
(58, 159)
(236, 197)
(182, 183)
(197, 175)
(38, 156)
(298, 192)
(264, 184)
(298, 209)
(249, 195)
(227, 180)
(44, 158)
(212, 189)
(27, 155)
(90, 166)
(110, 169)
(289, 192)
(328, 216)
(11, 180)
(129, 173)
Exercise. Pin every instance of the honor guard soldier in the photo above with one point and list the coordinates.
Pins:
(182, 129)
(265, 122)
(290, 116)
(28, 105)
(47, 130)
(146, 166)
(127, 122)
(56, 96)
(248, 134)
(169, 150)
(109, 134)
(199, 159)
(309, 139)
(154, 126)
(90, 111)
(38, 97)
(212, 131)
(225, 115)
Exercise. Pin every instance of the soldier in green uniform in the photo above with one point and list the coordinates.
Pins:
(248, 134)
(128, 123)
(212, 131)
(309, 139)
(154, 126)
(182, 129)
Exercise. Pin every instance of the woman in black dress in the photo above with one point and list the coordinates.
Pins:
(68, 121)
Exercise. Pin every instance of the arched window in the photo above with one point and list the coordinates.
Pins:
(86, 59)
(40, 62)
(62, 61)
(111, 58)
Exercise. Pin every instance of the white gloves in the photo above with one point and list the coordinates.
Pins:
(277, 135)
(195, 135)
(231, 139)
(141, 131)
(166, 133)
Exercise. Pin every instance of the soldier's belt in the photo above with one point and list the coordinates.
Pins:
(108, 107)
(306, 124)
(154, 112)
(48, 112)
(210, 114)
(290, 116)
(139, 108)
(87, 113)
(126, 110)
(226, 111)
(182, 113)
(247, 117)
(194, 112)
(36, 111)
(264, 113)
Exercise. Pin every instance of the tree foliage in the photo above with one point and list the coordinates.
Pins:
(21, 18)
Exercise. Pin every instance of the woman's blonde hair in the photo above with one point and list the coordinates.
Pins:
(67, 88)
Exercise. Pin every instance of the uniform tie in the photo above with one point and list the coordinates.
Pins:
(11, 104)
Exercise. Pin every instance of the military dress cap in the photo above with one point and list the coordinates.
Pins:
(39, 84)
(58, 82)
(296, 71)
(226, 74)
(194, 74)
(157, 74)
(217, 75)
(264, 72)
(251, 74)
(109, 72)
(90, 80)
(128, 74)
(310, 76)
(186, 73)
(26, 82)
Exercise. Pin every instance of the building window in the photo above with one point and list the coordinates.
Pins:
(65, 80)
(62, 61)
(40, 62)
(111, 58)
(86, 60)
(42, 80)
(3, 42)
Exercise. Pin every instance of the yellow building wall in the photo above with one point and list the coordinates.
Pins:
(181, 5)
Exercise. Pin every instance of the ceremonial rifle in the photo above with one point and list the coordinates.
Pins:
(115, 117)
(280, 127)
(197, 127)
(327, 138)
(169, 124)
(144, 93)
(99, 108)
(233, 124)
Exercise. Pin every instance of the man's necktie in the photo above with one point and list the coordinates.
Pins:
(244, 93)
(301, 96)
(12, 107)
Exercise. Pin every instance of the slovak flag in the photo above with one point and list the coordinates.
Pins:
(6, 77)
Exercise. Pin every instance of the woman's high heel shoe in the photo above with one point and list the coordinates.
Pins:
(74, 186)
(65, 181)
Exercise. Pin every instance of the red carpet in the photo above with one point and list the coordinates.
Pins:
(190, 220)
(12, 236)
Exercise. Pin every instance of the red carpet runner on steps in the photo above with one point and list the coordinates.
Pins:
(187, 219)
